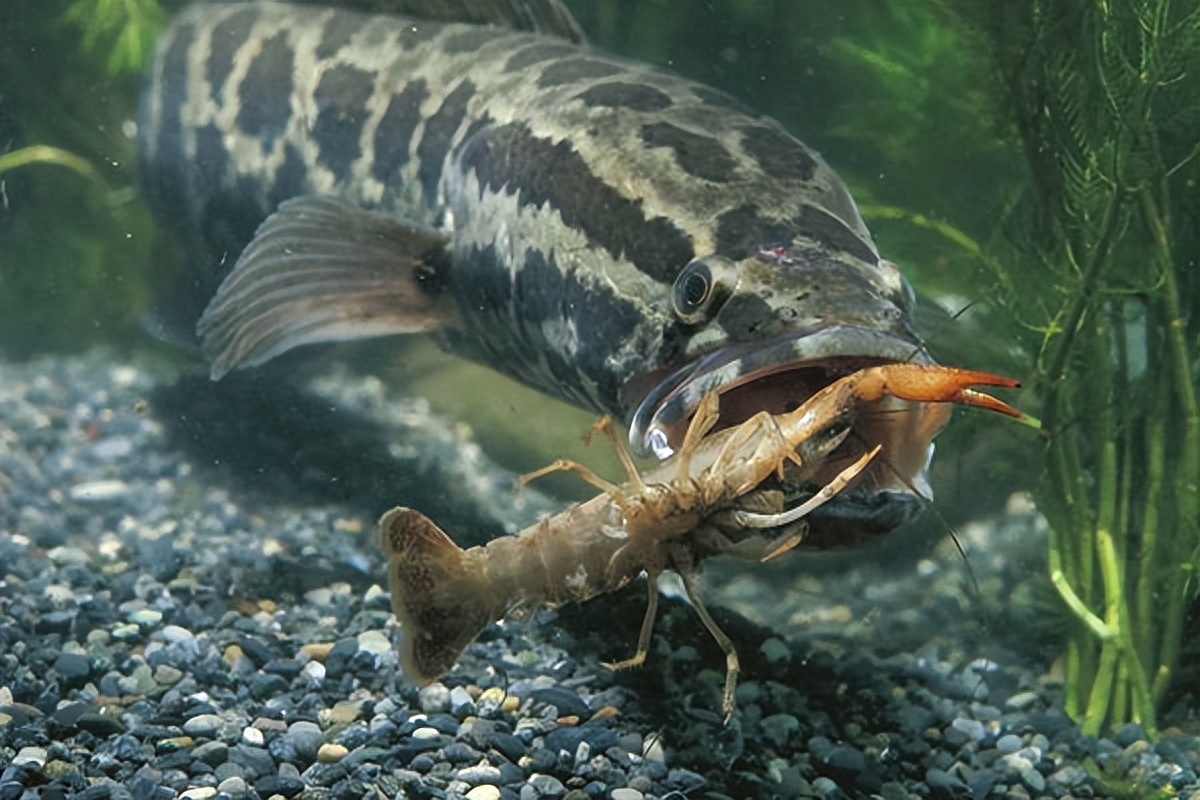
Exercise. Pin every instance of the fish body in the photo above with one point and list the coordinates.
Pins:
(610, 233)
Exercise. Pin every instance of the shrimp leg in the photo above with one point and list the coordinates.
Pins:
(643, 645)
(732, 664)
(788, 541)
(584, 472)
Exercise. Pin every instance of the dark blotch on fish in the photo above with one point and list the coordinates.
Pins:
(227, 38)
(704, 157)
(543, 292)
(536, 54)
(212, 159)
(594, 310)
(617, 94)
(575, 70)
(540, 171)
(338, 33)
(228, 221)
(779, 154)
(394, 135)
(166, 186)
(265, 93)
(744, 316)
(290, 178)
(341, 97)
(435, 141)
(741, 230)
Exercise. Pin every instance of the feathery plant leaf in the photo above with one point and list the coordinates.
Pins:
(123, 31)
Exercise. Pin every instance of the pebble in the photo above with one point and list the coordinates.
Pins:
(1021, 701)
(625, 793)
(542, 786)
(461, 702)
(331, 753)
(234, 786)
(481, 774)
(1009, 743)
(102, 491)
(199, 793)
(434, 698)
(205, 725)
(484, 792)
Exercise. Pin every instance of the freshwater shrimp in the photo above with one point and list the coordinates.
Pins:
(706, 500)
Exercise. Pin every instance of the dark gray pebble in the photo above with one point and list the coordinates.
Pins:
(73, 668)
(1127, 734)
(843, 761)
(510, 773)
(338, 660)
(421, 763)
(255, 760)
(278, 784)
(543, 786)
(256, 650)
(264, 686)
(567, 702)
(443, 723)
(507, 745)
(212, 753)
(287, 668)
(567, 738)
(944, 786)
(460, 753)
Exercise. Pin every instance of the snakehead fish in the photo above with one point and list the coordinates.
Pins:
(600, 229)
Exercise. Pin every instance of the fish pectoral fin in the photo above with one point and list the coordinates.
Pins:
(322, 270)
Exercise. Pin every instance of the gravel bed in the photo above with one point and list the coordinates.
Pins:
(191, 606)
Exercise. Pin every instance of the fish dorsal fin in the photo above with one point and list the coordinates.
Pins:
(441, 600)
(549, 17)
(322, 270)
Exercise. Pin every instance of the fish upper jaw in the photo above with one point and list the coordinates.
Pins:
(773, 375)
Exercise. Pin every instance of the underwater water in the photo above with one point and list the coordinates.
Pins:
(193, 597)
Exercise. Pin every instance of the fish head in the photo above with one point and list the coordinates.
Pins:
(771, 330)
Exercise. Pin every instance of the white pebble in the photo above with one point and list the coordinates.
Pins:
(252, 737)
(31, 755)
(99, 491)
(199, 793)
(426, 733)
(488, 792)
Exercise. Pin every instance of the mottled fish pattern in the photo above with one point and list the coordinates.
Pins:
(587, 224)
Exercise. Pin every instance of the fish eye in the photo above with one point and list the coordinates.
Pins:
(698, 292)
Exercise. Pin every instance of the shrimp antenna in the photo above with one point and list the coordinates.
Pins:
(928, 504)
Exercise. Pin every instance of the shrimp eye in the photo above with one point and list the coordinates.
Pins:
(701, 288)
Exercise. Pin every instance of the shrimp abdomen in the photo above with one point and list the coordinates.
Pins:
(439, 596)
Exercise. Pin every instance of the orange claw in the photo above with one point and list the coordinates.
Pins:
(934, 384)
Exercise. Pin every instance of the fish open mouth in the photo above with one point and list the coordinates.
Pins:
(779, 376)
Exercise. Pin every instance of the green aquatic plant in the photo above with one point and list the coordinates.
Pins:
(44, 154)
(1102, 270)
(80, 255)
(123, 32)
